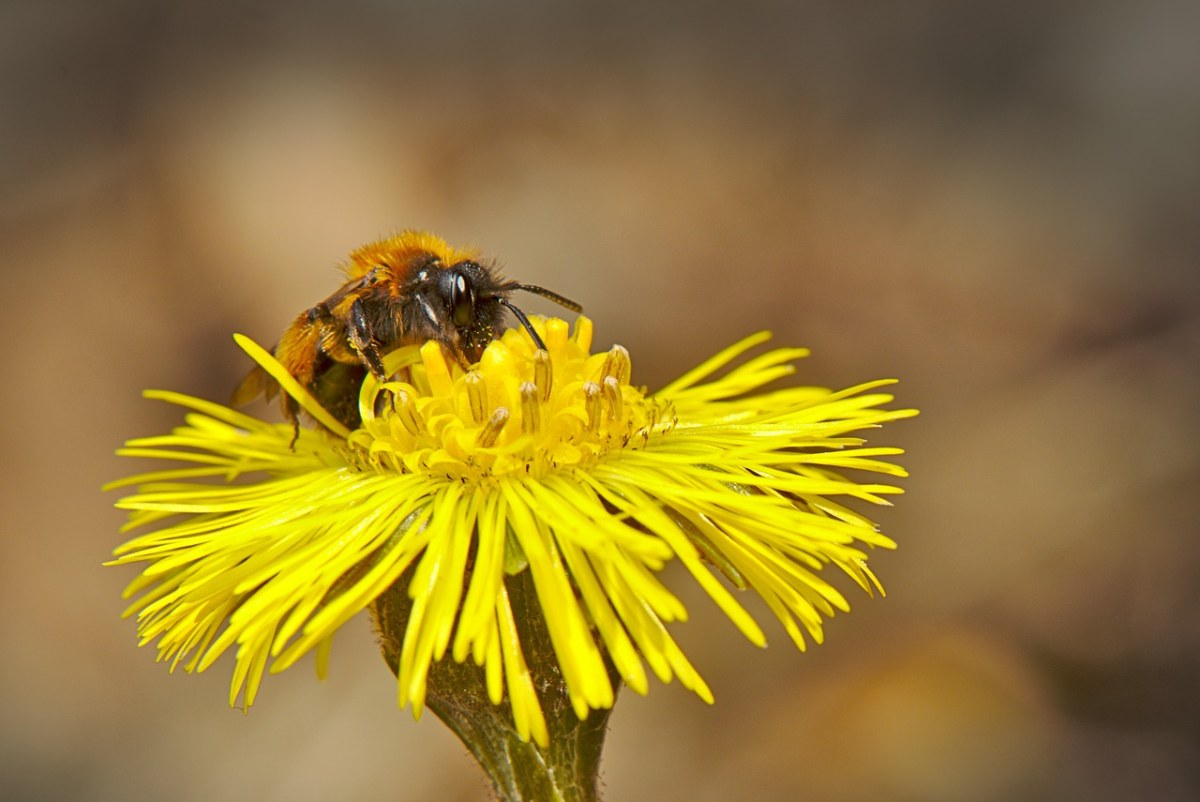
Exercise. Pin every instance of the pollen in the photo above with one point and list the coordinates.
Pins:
(519, 410)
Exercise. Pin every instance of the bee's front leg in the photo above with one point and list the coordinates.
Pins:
(456, 350)
(363, 339)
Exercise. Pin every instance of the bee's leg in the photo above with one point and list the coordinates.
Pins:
(291, 411)
(363, 339)
(460, 355)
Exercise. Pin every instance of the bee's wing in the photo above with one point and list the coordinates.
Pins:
(257, 383)
(299, 347)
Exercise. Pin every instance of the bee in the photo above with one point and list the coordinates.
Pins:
(407, 289)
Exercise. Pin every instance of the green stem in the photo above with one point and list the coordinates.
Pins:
(521, 771)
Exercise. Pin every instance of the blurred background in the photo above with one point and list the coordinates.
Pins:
(996, 203)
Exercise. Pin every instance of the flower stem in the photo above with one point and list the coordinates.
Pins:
(521, 771)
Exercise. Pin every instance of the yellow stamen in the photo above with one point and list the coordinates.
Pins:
(406, 412)
(612, 394)
(477, 395)
(530, 417)
(618, 364)
(491, 432)
(543, 374)
(591, 392)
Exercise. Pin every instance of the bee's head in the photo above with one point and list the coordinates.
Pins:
(459, 287)
(474, 299)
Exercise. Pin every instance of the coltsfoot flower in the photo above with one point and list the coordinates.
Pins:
(550, 462)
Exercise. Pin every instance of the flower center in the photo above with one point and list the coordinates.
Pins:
(518, 410)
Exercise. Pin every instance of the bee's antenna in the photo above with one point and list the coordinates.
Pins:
(545, 293)
(524, 322)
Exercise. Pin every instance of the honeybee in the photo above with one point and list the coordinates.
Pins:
(406, 289)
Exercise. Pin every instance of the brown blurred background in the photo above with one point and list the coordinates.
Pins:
(996, 203)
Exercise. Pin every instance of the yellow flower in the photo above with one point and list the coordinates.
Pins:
(547, 462)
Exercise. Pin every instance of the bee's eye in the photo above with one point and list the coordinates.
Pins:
(462, 301)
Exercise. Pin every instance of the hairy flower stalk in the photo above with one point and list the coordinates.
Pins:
(507, 527)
